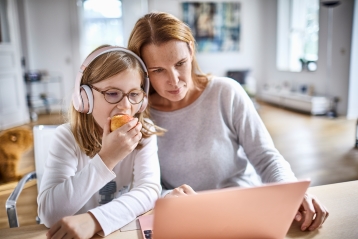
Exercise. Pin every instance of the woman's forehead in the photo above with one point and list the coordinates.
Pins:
(166, 52)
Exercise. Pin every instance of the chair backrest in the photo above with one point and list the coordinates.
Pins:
(42, 138)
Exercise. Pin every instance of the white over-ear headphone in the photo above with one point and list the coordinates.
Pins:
(82, 97)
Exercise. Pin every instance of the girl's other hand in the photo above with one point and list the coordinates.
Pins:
(78, 226)
(118, 144)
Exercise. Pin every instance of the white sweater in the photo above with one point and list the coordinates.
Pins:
(213, 142)
(71, 183)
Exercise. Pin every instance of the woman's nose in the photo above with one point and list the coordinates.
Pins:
(173, 78)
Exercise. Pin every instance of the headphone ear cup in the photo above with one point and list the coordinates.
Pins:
(87, 99)
(143, 105)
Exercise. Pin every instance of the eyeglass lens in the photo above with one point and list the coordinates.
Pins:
(114, 96)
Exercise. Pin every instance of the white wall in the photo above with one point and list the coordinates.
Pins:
(341, 47)
(52, 34)
(250, 54)
(132, 11)
(353, 81)
(51, 31)
(258, 48)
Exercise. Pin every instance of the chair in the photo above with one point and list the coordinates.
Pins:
(42, 137)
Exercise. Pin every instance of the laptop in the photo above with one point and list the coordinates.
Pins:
(259, 212)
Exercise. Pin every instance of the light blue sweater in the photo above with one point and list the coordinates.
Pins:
(211, 143)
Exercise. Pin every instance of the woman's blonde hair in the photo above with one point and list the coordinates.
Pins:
(87, 132)
(159, 28)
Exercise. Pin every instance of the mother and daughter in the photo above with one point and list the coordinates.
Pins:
(210, 136)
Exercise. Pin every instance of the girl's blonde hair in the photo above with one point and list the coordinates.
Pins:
(87, 132)
(159, 28)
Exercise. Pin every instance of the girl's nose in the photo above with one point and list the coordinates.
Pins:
(124, 103)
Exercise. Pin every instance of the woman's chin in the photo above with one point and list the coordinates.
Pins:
(175, 97)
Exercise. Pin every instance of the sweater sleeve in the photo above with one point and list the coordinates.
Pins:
(64, 190)
(257, 142)
(144, 192)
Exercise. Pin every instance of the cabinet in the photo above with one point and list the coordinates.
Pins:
(43, 94)
(315, 105)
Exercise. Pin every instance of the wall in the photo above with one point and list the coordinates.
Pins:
(258, 48)
(133, 11)
(250, 54)
(341, 47)
(353, 74)
(52, 37)
(51, 32)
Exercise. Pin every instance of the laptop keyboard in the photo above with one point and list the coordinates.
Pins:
(148, 234)
(146, 226)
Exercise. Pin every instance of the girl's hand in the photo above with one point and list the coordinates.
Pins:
(312, 213)
(78, 226)
(118, 144)
(183, 190)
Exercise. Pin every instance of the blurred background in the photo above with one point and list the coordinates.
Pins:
(284, 46)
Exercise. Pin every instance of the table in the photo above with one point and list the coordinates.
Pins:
(341, 199)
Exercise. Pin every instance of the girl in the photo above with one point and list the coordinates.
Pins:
(96, 180)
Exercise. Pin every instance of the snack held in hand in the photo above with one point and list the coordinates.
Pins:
(119, 120)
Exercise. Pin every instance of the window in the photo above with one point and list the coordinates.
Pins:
(4, 25)
(297, 34)
(101, 24)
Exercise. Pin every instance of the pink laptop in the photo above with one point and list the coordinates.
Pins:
(259, 212)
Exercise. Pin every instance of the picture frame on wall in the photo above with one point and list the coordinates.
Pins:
(216, 26)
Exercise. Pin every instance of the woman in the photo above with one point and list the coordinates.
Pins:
(214, 132)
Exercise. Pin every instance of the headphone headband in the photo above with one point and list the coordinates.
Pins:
(83, 102)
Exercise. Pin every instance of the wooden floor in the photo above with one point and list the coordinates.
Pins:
(316, 147)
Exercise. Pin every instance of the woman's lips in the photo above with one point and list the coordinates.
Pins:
(174, 92)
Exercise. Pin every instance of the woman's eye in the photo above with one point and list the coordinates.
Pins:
(180, 63)
(157, 70)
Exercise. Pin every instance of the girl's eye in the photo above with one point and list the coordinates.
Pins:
(112, 93)
(134, 94)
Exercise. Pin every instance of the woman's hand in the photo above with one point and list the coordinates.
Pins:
(118, 144)
(183, 190)
(79, 226)
(312, 212)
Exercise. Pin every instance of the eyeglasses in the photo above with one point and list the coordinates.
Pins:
(113, 96)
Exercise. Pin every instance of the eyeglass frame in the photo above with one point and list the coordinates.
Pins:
(103, 92)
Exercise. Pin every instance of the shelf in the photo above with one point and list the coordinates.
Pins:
(43, 94)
